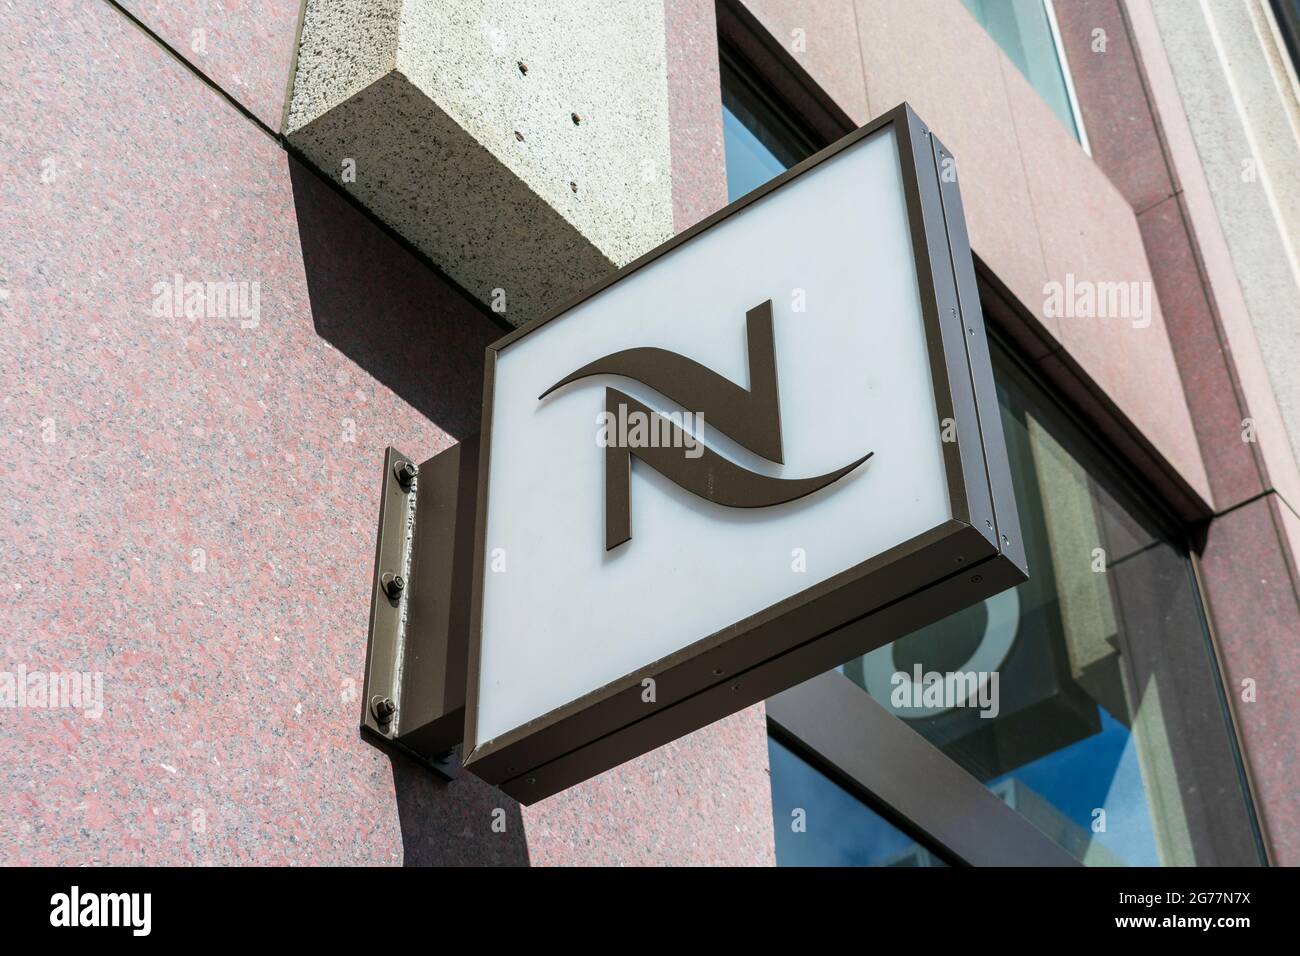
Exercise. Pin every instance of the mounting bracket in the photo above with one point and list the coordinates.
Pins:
(414, 697)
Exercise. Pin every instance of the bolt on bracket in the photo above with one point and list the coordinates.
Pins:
(414, 697)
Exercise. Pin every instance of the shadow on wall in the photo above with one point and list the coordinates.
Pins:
(388, 312)
(419, 337)
(465, 822)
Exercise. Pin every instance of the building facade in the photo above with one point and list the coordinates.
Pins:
(249, 245)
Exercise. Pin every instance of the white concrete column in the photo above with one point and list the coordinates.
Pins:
(524, 147)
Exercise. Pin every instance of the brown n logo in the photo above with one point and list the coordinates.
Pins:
(750, 417)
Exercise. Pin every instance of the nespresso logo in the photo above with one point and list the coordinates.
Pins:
(750, 417)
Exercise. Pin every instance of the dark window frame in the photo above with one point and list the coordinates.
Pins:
(734, 72)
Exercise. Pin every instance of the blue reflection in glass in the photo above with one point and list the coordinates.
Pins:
(749, 162)
(1100, 772)
(838, 828)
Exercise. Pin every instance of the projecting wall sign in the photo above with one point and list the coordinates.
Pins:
(649, 534)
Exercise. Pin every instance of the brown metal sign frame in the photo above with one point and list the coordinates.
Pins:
(974, 555)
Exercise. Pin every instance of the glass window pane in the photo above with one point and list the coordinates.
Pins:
(1097, 711)
(819, 823)
(1023, 31)
(759, 143)
(749, 162)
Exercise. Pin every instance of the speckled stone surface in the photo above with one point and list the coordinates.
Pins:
(1141, 140)
(243, 46)
(1109, 85)
(1251, 587)
(190, 502)
(932, 54)
(1218, 275)
(1205, 365)
(1237, 89)
(523, 148)
(699, 161)
(703, 800)
(1088, 231)
(822, 37)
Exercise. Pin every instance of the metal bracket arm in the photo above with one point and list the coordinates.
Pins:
(414, 697)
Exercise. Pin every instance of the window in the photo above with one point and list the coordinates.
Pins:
(1111, 734)
(859, 835)
(759, 141)
(1027, 33)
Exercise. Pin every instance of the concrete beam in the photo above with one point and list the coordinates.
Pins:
(523, 147)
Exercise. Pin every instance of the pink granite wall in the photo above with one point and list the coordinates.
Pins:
(699, 162)
(190, 501)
